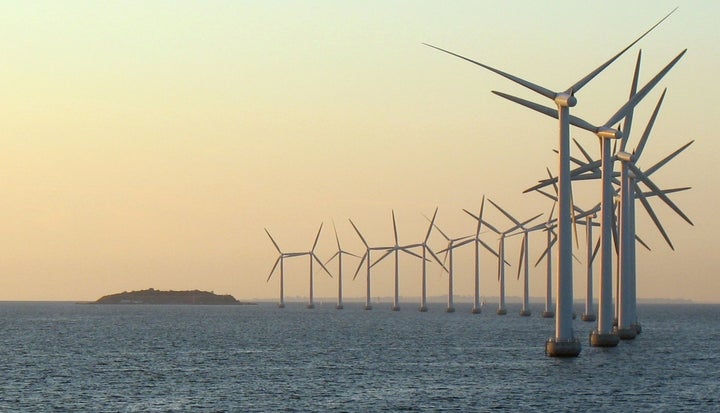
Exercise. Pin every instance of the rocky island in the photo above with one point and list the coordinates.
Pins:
(153, 296)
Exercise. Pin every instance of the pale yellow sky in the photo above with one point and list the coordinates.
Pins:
(147, 144)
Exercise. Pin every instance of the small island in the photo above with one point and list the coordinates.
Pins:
(153, 296)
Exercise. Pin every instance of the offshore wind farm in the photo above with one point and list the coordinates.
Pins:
(564, 343)
(436, 207)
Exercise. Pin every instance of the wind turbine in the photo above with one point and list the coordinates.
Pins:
(405, 248)
(280, 260)
(501, 261)
(313, 258)
(589, 314)
(564, 344)
(551, 238)
(477, 242)
(628, 324)
(339, 255)
(451, 245)
(365, 259)
(426, 249)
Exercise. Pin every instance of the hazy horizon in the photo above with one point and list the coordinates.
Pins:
(149, 144)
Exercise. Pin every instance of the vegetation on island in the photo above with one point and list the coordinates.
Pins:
(153, 296)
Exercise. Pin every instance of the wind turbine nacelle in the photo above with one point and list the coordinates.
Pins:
(609, 133)
(624, 156)
(565, 99)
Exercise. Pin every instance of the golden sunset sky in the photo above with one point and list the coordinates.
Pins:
(147, 144)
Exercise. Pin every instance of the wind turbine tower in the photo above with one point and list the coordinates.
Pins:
(477, 305)
(365, 259)
(339, 254)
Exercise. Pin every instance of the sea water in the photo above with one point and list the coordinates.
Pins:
(65, 357)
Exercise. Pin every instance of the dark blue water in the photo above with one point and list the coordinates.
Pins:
(90, 358)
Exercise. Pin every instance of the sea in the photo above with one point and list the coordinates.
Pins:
(68, 357)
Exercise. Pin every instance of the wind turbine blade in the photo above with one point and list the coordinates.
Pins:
(574, 120)
(435, 257)
(350, 253)
(480, 220)
(650, 184)
(666, 191)
(321, 264)
(552, 210)
(510, 217)
(437, 228)
(628, 119)
(277, 261)
(407, 251)
(395, 232)
(614, 228)
(630, 104)
(362, 261)
(447, 251)
(648, 128)
(654, 217)
(554, 180)
(317, 237)
(522, 255)
(273, 241)
(576, 258)
(595, 250)
(583, 151)
(582, 82)
(574, 221)
(521, 225)
(359, 234)
(487, 247)
(545, 252)
(336, 236)
(492, 228)
(535, 88)
(432, 224)
(460, 244)
(295, 254)
(641, 242)
(388, 252)
(667, 159)
(334, 255)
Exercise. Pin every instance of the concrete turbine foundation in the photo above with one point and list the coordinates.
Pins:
(603, 339)
(555, 347)
(588, 317)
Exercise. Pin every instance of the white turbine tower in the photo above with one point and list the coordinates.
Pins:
(451, 245)
(339, 254)
(477, 242)
(313, 258)
(426, 249)
(406, 249)
(501, 252)
(365, 259)
(551, 238)
(564, 343)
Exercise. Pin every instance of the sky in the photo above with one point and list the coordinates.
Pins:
(148, 144)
